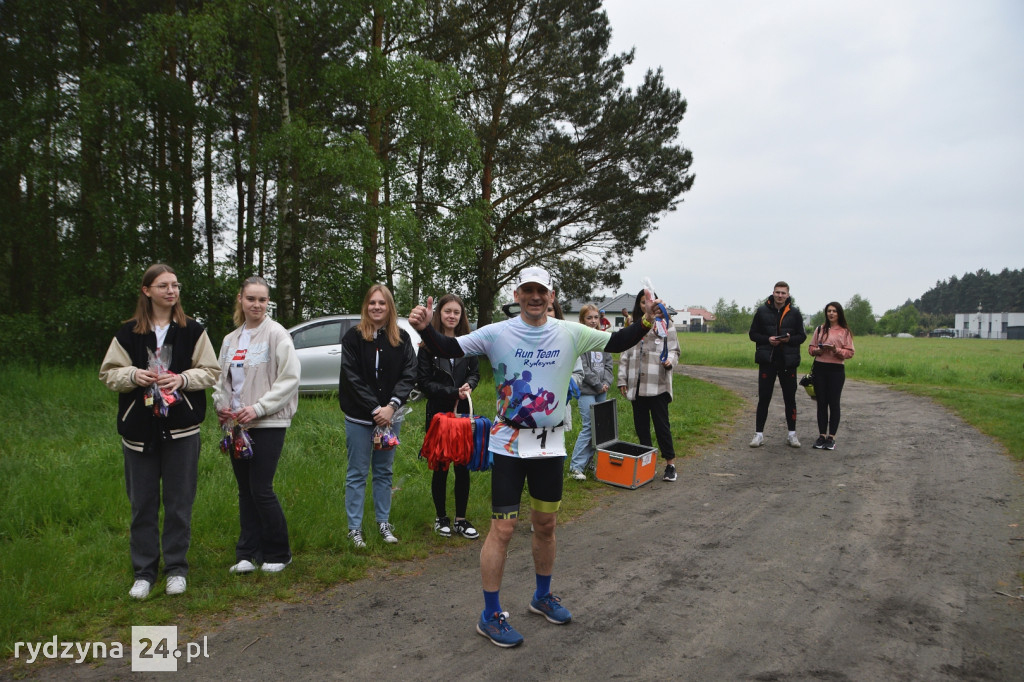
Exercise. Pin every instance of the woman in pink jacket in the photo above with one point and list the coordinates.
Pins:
(831, 344)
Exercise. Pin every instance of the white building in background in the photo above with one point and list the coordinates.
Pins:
(981, 325)
(693, 319)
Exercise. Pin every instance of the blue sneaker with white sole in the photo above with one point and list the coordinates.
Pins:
(551, 608)
(497, 629)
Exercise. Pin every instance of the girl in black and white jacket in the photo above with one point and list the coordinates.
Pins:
(161, 452)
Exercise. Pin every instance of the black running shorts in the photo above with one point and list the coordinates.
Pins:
(543, 474)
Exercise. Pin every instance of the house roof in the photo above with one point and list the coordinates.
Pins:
(701, 312)
(610, 304)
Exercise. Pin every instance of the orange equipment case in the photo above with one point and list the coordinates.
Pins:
(622, 464)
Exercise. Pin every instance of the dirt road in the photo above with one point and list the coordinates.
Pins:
(878, 561)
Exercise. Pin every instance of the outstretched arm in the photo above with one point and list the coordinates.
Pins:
(628, 337)
(440, 345)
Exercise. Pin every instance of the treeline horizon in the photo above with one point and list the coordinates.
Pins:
(935, 309)
(1002, 292)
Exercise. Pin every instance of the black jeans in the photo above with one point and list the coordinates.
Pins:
(654, 408)
(829, 378)
(264, 531)
(766, 375)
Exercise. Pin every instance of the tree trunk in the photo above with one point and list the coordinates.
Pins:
(416, 276)
(285, 274)
(189, 194)
(90, 168)
(208, 199)
(389, 274)
(178, 246)
(375, 122)
(240, 198)
(250, 215)
(263, 229)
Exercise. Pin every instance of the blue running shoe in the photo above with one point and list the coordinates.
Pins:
(497, 629)
(551, 608)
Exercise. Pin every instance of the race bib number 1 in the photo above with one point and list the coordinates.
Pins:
(541, 442)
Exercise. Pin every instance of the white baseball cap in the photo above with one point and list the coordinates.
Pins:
(537, 276)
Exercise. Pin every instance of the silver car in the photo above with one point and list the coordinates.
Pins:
(318, 345)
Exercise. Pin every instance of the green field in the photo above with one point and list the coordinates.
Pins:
(981, 380)
(64, 566)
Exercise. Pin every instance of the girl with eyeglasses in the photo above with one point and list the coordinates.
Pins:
(160, 433)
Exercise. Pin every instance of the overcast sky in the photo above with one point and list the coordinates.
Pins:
(846, 146)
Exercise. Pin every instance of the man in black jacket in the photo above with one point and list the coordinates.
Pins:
(778, 331)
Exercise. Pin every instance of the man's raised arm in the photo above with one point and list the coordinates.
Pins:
(627, 337)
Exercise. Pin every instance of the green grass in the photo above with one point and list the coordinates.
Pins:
(981, 380)
(64, 565)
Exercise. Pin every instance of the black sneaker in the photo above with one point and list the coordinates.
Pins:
(830, 443)
(819, 444)
(443, 526)
(464, 528)
(670, 472)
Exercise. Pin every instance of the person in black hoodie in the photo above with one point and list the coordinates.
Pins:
(160, 450)
(778, 331)
(447, 385)
(378, 370)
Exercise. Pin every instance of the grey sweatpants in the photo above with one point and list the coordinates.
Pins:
(175, 464)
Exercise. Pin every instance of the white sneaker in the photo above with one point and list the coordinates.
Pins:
(140, 590)
(758, 440)
(387, 532)
(356, 536)
(243, 566)
(176, 584)
(274, 567)
(791, 440)
(577, 475)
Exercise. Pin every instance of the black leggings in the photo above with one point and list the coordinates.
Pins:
(766, 386)
(438, 489)
(829, 378)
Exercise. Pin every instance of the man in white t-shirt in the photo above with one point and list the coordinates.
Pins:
(533, 356)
